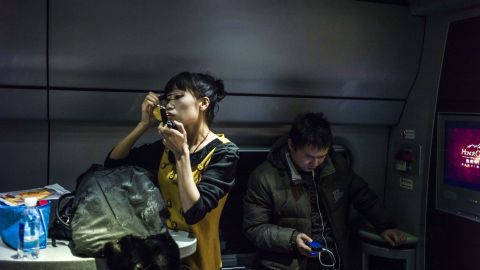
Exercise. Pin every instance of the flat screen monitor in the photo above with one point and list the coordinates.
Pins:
(458, 164)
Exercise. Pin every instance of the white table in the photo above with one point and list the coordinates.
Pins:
(187, 244)
(60, 257)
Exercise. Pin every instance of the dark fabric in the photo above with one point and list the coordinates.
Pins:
(156, 252)
(321, 229)
(314, 264)
(216, 181)
(112, 203)
(277, 206)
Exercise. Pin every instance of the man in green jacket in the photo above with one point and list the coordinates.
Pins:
(302, 193)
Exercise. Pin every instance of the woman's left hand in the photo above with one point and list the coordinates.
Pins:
(174, 139)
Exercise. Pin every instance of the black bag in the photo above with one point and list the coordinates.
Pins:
(112, 206)
(60, 226)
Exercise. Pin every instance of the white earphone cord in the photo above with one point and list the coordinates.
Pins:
(326, 249)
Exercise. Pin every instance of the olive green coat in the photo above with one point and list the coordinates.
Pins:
(277, 207)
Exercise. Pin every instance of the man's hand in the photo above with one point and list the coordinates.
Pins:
(394, 237)
(300, 242)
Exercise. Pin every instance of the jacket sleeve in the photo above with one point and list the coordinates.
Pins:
(257, 217)
(368, 203)
(216, 181)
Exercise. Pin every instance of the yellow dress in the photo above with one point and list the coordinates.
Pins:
(208, 254)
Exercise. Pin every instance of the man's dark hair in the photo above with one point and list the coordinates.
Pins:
(311, 129)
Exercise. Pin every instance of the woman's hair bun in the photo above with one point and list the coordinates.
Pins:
(219, 89)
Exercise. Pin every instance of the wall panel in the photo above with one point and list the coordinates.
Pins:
(23, 43)
(332, 48)
(23, 154)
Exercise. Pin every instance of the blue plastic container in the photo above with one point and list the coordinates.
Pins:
(10, 220)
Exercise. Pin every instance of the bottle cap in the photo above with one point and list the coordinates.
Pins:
(30, 201)
(42, 202)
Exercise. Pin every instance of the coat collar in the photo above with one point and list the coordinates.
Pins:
(324, 170)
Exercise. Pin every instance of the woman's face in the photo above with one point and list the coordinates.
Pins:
(183, 107)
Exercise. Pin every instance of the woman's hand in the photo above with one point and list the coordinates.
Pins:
(174, 139)
(150, 102)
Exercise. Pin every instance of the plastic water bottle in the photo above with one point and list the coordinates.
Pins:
(29, 231)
